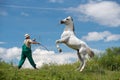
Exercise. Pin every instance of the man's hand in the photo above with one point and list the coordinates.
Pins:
(38, 43)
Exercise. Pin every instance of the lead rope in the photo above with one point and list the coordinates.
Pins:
(41, 45)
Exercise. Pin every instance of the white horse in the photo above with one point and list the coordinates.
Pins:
(68, 37)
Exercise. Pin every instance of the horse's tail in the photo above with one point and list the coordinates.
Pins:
(90, 52)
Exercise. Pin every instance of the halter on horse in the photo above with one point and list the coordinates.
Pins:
(69, 38)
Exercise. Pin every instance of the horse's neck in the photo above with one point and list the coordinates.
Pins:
(69, 27)
(68, 31)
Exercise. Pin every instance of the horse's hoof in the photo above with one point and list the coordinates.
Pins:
(60, 50)
(81, 70)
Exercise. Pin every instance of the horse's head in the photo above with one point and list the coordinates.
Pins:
(67, 20)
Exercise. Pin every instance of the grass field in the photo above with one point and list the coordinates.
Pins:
(106, 67)
(57, 72)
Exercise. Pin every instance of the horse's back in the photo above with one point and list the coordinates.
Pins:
(75, 42)
(72, 41)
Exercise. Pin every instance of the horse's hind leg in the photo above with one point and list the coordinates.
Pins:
(79, 57)
(82, 65)
(83, 62)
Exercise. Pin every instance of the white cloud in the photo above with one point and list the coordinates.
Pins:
(58, 1)
(3, 13)
(9, 54)
(114, 37)
(34, 8)
(95, 36)
(2, 42)
(106, 36)
(45, 57)
(103, 12)
(24, 14)
(95, 0)
(40, 57)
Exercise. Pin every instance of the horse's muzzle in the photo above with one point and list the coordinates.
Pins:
(62, 22)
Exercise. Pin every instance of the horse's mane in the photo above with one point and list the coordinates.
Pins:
(73, 28)
(73, 25)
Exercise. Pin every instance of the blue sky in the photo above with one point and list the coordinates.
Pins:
(97, 22)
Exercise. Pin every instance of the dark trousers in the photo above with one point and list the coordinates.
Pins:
(24, 55)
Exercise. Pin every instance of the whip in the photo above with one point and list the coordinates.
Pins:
(41, 45)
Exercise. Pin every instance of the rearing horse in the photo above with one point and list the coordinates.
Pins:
(69, 38)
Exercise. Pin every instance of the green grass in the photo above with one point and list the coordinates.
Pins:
(106, 67)
(58, 72)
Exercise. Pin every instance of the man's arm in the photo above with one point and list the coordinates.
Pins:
(34, 42)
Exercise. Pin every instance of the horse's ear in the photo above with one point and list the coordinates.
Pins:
(71, 18)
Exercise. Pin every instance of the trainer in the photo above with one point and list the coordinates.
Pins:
(27, 52)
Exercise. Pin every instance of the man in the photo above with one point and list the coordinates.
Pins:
(27, 52)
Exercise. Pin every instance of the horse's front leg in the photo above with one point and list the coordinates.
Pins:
(57, 45)
(63, 40)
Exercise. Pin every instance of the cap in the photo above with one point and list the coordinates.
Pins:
(27, 35)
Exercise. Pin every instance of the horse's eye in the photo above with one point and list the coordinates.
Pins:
(67, 19)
